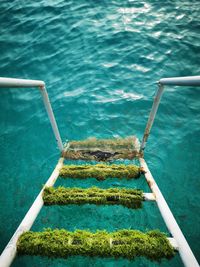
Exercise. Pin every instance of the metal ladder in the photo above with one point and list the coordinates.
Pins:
(178, 240)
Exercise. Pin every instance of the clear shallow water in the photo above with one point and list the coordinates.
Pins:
(100, 62)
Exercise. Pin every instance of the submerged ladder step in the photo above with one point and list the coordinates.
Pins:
(101, 171)
(153, 245)
(173, 243)
(131, 198)
(149, 197)
(103, 149)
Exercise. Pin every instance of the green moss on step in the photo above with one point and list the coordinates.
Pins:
(103, 149)
(131, 198)
(124, 243)
(100, 171)
(115, 143)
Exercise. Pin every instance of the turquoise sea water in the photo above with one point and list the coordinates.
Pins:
(100, 61)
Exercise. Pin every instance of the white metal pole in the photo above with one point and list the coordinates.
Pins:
(51, 117)
(152, 116)
(12, 82)
(182, 81)
(15, 83)
(185, 251)
(10, 250)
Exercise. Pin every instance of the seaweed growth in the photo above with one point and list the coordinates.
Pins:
(115, 143)
(103, 149)
(101, 171)
(131, 198)
(123, 243)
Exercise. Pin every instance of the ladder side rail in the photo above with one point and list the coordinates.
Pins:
(22, 83)
(185, 251)
(9, 253)
(180, 81)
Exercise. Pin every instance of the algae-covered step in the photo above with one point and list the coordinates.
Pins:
(131, 198)
(103, 149)
(153, 245)
(101, 171)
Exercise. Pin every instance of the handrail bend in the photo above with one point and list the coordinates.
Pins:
(16, 83)
(180, 81)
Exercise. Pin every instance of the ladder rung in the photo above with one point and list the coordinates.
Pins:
(153, 245)
(149, 197)
(101, 171)
(131, 198)
(103, 149)
(173, 242)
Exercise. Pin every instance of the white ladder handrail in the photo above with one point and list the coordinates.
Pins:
(181, 81)
(9, 253)
(184, 249)
(22, 83)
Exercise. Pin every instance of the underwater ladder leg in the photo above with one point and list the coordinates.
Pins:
(184, 249)
(10, 250)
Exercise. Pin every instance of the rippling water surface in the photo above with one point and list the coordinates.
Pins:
(100, 61)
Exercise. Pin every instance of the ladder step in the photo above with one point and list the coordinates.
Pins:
(131, 198)
(101, 171)
(103, 149)
(153, 245)
(173, 242)
(149, 197)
